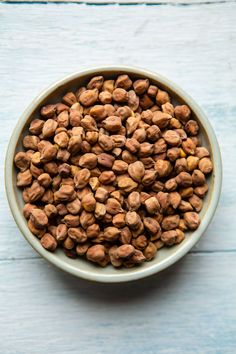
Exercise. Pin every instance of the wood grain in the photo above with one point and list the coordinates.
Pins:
(127, 2)
(195, 54)
(190, 308)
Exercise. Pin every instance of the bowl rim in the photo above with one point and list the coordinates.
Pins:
(140, 272)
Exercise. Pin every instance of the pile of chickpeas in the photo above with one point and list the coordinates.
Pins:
(113, 173)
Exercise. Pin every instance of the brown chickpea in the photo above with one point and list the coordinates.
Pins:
(113, 172)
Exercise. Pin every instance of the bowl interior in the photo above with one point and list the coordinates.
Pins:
(79, 266)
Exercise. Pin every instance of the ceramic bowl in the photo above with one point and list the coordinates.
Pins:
(166, 256)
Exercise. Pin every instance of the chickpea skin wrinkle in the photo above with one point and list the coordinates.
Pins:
(113, 172)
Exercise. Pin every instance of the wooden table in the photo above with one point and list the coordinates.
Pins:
(191, 307)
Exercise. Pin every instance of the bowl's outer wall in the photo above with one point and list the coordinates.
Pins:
(165, 256)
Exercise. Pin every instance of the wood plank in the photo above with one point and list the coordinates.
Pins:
(195, 46)
(190, 308)
(126, 2)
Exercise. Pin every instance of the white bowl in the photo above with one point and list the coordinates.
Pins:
(166, 256)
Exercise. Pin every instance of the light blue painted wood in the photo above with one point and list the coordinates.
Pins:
(129, 2)
(197, 54)
(191, 307)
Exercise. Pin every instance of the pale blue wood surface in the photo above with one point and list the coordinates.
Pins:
(191, 308)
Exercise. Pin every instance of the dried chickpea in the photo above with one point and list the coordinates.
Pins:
(198, 178)
(61, 232)
(182, 113)
(128, 157)
(88, 97)
(151, 225)
(140, 242)
(181, 165)
(201, 152)
(191, 127)
(184, 179)
(192, 162)
(39, 218)
(48, 242)
(113, 172)
(133, 100)
(86, 219)
(31, 142)
(160, 146)
(161, 119)
(134, 201)
(96, 82)
(24, 178)
(153, 133)
(111, 233)
(126, 184)
(22, 161)
(113, 206)
(201, 190)
(36, 126)
(170, 222)
(63, 119)
(132, 124)
(205, 165)
(141, 86)
(185, 206)
(163, 168)
(120, 95)
(49, 128)
(152, 205)
(150, 251)
(27, 210)
(169, 237)
(136, 171)
(107, 177)
(132, 220)
(188, 146)
(192, 220)
(171, 137)
(168, 108)
(196, 202)
(123, 81)
(50, 210)
(88, 202)
(152, 90)
(125, 251)
(81, 249)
